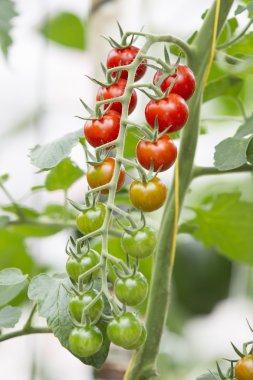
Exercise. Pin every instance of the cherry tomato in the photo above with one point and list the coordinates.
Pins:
(77, 305)
(139, 342)
(114, 91)
(125, 330)
(170, 112)
(101, 174)
(131, 290)
(148, 196)
(162, 153)
(185, 84)
(122, 57)
(85, 341)
(102, 131)
(91, 219)
(75, 267)
(244, 368)
(140, 244)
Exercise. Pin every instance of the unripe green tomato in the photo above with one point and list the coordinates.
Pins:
(139, 342)
(131, 290)
(141, 244)
(78, 304)
(75, 267)
(124, 331)
(85, 341)
(92, 219)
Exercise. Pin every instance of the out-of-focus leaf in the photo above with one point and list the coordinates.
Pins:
(4, 177)
(7, 13)
(4, 220)
(231, 153)
(66, 29)
(26, 211)
(250, 152)
(245, 129)
(131, 142)
(26, 230)
(49, 155)
(12, 282)
(228, 30)
(9, 316)
(56, 211)
(208, 376)
(62, 176)
(240, 8)
(225, 86)
(243, 47)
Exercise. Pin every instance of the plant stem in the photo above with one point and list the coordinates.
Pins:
(31, 330)
(30, 317)
(199, 171)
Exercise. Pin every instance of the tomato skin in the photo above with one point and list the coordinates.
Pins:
(102, 174)
(148, 196)
(244, 368)
(171, 112)
(91, 219)
(132, 290)
(85, 341)
(114, 91)
(75, 267)
(124, 330)
(77, 305)
(139, 342)
(185, 84)
(162, 152)
(122, 57)
(102, 131)
(141, 244)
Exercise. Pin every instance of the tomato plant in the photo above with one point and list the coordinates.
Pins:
(139, 244)
(77, 305)
(91, 219)
(75, 267)
(131, 290)
(85, 341)
(148, 196)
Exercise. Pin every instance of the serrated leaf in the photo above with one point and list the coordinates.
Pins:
(52, 298)
(63, 175)
(9, 316)
(49, 155)
(245, 129)
(231, 153)
(225, 86)
(12, 282)
(66, 29)
(227, 226)
(7, 13)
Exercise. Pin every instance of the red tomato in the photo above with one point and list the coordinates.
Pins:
(171, 112)
(114, 91)
(122, 57)
(104, 130)
(185, 84)
(162, 152)
(102, 174)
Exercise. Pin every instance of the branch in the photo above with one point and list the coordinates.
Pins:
(31, 330)
(199, 171)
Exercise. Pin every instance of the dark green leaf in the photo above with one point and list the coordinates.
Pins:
(245, 129)
(250, 7)
(9, 316)
(66, 29)
(12, 282)
(225, 86)
(231, 153)
(49, 155)
(62, 176)
(7, 13)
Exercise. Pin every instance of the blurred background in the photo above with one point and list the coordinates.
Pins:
(42, 78)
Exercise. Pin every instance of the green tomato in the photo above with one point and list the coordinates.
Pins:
(85, 341)
(75, 267)
(125, 330)
(139, 342)
(78, 304)
(140, 244)
(91, 219)
(131, 290)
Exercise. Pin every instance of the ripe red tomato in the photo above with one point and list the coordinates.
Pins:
(185, 84)
(162, 152)
(122, 57)
(104, 130)
(102, 174)
(244, 368)
(148, 196)
(171, 112)
(114, 91)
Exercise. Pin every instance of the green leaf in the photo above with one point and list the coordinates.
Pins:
(26, 211)
(231, 153)
(243, 47)
(9, 316)
(66, 29)
(225, 86)
(53, 299)
(4, 220)
(7, 13)
(62, 176)
(228, 30)
(12, 282)
(226, 224)
(250, 152)
(245, 129)
(240, 8)
(49, 155)
(131, 142)
(25, 230)
(56, 211)
(4, 177)
(250, 8)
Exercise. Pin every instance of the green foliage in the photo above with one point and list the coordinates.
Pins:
(63, 175)
(7, 13)
(228, 31)
(225, 223)
(12, 282)
(49, 155)
(224, 86)
(243, 47)
(9, 316)
(66, 29)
